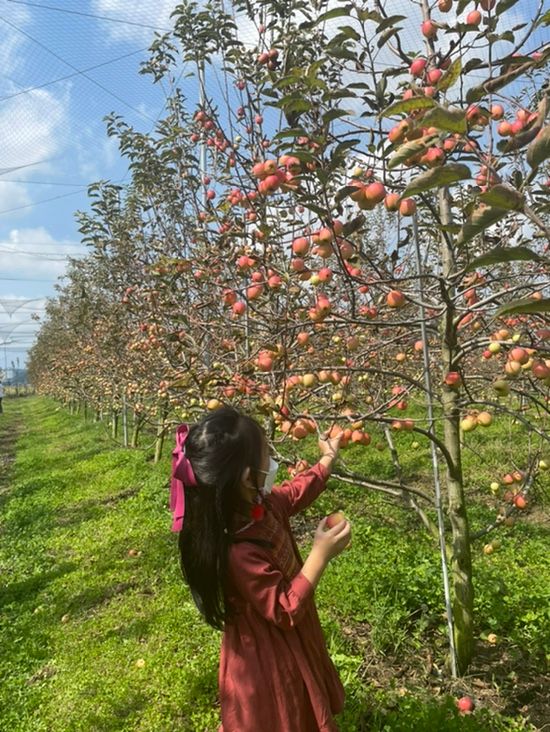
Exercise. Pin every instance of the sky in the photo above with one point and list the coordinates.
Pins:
(64, 65)
(53, 137)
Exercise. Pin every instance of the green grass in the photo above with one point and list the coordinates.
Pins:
(77, 613)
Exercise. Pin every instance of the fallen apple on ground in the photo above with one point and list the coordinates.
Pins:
(465, 705)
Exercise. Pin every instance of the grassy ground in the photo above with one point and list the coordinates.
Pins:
(99, 634)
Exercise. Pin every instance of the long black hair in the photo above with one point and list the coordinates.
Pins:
(220, 447)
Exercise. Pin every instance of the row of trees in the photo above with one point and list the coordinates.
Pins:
(349, 233)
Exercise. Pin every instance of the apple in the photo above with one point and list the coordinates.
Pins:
(418, 66)
(239, 307)
(497, 111)
(213, 404)
(518, 354)
(488, 549)
(407, 207)
(434, 75)
(494, 347)
(484, 419)
(540, 370)
(334, 519)
(468, 424)
(543, 465)
(495, 487)
(309, 380)
(395, 299)
(429, 29)
(444, 5)
(453, 379)
(375, 192)
(512, 368)
(300, 246)
(502, 387)
(520, 502)
(492, 639)
(473, 18)
(391, 202)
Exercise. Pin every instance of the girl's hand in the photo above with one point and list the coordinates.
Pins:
(329, 446)
(329, 543)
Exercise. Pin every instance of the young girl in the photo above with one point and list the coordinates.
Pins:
(247, 578)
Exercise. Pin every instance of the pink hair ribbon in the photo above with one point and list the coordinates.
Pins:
(182, 475)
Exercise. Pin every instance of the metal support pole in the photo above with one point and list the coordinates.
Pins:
(435, 463)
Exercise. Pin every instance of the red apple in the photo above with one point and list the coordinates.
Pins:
(300, 246)
(334, 519)
(395, 299)
(418, 66)
(429, 29)
(391, 202)
(375, 192)
(453, 379)
(407, 207)
(465, 705)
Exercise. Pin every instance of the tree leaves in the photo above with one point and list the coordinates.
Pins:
(480, 219)
(527, 305)
(450, 120)
(493, 85)
(404, 106)
(410, 149)
(503, 196)
(539, 149)
(498, 255)
(443, 175)
(451, 76)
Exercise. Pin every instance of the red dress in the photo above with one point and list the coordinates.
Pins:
(275, 673)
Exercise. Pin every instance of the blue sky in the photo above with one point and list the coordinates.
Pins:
(53, 141)
(53, 135)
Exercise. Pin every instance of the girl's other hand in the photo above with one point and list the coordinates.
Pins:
(331, 542)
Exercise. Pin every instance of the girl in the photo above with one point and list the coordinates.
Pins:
(247, 578)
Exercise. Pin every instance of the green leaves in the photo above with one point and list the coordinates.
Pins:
(408, 105)
(499, 255)
(527, 305)
(444, 175)
(451, 76)
(449, 120)
(334, 13)
(410, 149)
(493, 85)
(480, 219)
(539, 149)
(503, 196)
(504, 5)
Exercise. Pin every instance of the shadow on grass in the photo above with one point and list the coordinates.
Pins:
(25, 592)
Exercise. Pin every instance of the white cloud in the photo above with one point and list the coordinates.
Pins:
(13, 195)
(33, 127)
(11, 40)
(35, 254)
(138, 11)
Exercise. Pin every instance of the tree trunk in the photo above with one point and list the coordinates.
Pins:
(159, 444)
(114, 424)
(136, 428)
(461, 562)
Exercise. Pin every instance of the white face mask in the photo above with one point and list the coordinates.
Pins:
(269, 476)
